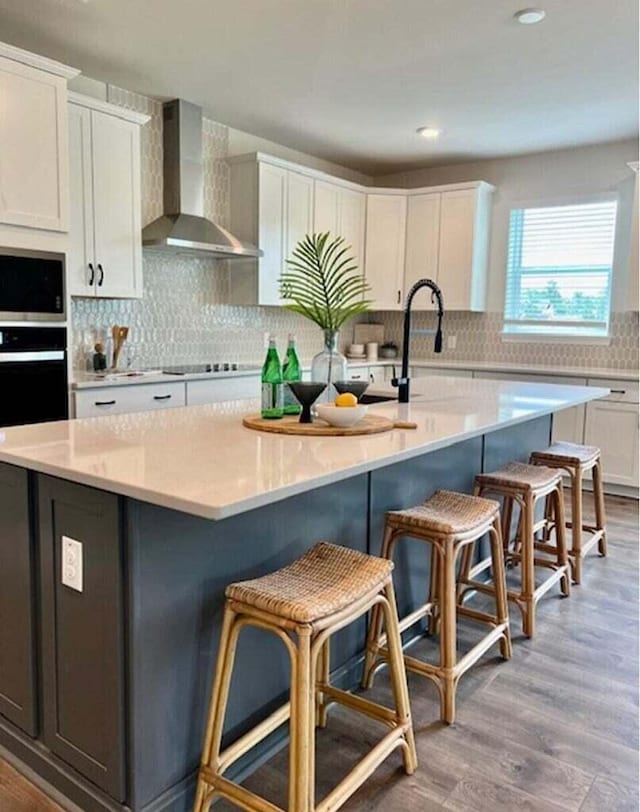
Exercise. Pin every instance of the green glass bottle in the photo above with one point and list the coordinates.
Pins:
(291, 372)
(272, 388)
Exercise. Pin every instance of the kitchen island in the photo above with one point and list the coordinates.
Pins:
(103, 691)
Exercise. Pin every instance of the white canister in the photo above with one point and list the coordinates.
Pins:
(372, 351)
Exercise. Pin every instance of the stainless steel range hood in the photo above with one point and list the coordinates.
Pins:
(183, 228)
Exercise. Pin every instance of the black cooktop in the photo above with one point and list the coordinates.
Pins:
(190, 369)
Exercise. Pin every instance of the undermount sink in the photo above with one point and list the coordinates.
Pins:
(367, 399)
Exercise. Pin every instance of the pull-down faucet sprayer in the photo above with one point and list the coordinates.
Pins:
(403, 381)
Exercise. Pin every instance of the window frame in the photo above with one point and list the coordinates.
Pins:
(567, 330)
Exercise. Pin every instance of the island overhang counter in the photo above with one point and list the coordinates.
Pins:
(103, 691)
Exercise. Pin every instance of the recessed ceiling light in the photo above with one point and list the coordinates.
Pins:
(428, 132)
(530, 16)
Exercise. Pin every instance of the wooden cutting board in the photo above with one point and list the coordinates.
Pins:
(370, 424)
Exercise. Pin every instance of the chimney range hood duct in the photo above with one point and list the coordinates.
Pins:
(183, 228)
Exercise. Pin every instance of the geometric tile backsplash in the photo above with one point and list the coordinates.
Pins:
(184, 317)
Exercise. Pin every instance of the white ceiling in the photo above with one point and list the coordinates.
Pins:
(350, 80)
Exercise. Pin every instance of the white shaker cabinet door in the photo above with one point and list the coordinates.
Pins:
(299, 210)
(326, 207)
(116, 206)
(613, 427)
(384, 252)
(34, 154)
(422, 247)
(457, 220)
(81, 269)
(272, 215)
(353, 206)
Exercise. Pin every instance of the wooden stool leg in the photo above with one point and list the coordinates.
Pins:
(324, 667)
(448, 631)
(301, 727)
(548, 518)
(399, 678)
(217, 706)
(507, 518)
(598, 497)
(433, 623)
(576, 524)
(561, 541)
(500, 586)
(374, 630)
(528, 569)
(466, 560)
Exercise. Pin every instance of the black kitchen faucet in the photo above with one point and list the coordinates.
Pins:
(403, 381)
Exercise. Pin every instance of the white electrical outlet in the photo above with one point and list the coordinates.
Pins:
(72, 563)
(451, 342)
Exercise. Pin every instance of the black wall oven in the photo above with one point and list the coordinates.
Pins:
(33, 375)
(31, 285)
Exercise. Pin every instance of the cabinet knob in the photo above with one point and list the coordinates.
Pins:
(104, 403)
(162, 397)
(101, 280)
(399, 297)
(92, 274)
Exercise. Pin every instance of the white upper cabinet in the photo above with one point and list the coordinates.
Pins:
(446, 239)
(463, 247)
(385, 249)
(271, 206)
(422, 244)
(105, 257)
(33, 133)
(341, 211)
(397, 236)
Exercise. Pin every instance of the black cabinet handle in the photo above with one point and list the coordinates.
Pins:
(92, 277)
(618, 391)
(162, 397)
(399, 296)
(104, 402)
(356, 377)
(101, 280)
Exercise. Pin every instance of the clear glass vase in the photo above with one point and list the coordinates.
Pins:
(329, 365)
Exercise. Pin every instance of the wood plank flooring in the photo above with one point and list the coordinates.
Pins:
(554, 729)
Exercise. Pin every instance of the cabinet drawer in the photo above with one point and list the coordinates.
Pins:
(621, 391)
(215, 391)
(122, 399)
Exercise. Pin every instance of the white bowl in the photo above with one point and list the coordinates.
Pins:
(356, 349)
(340, 416)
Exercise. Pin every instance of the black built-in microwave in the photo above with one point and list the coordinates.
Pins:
(31, 285)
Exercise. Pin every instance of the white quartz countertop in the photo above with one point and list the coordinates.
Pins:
(89, 380)
(201, 460)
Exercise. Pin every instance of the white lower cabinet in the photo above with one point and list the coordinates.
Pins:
(215, 391)
(134, 398)
(612, 425)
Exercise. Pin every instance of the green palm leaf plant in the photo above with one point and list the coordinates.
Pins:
(322, 282)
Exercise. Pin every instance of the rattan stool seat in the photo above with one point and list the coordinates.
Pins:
(323, 581)
(446, 512)
(520, 476)
(567, 453)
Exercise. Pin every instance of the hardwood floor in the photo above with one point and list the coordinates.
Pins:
(554, 729)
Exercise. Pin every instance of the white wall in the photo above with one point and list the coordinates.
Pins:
(549, 177)
(241, 143)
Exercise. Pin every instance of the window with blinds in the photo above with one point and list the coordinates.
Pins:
(559, 270)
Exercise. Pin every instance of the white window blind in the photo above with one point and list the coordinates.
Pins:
(559, 269)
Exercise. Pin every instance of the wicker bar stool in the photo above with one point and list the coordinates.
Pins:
(304, 604)
(524, 485)
(577, 460)
(449, 522)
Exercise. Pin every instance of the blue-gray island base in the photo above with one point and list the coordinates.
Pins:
(103, 693)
